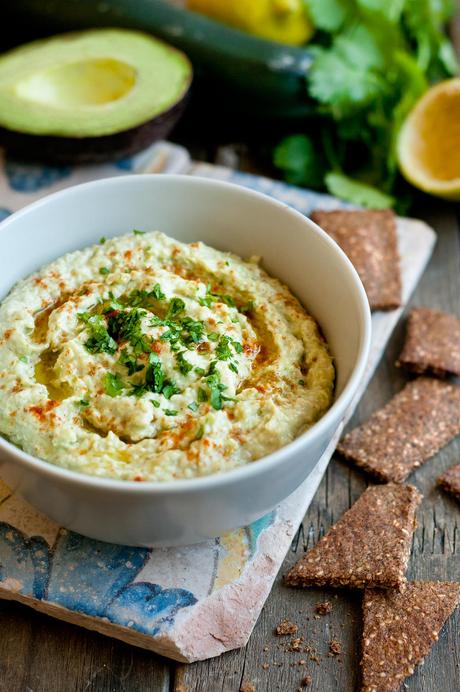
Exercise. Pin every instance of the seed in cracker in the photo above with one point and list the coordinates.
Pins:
(450, 481)
(399, 630)
(432, 343)
(409, 430)
(369, 240)
(286, 627)
(368, 546)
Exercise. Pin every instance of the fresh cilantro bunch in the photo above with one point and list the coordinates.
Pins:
(372, 60)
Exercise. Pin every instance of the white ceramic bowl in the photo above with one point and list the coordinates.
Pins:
(229, 218)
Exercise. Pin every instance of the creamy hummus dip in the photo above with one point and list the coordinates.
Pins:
(145, 359)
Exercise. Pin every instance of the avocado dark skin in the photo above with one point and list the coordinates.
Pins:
(75, 150)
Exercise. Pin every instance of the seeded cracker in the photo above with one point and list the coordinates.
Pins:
(369, 239)
(411, 428)
(450, 481)
(399, 630)
(369, 545)
(432, 343)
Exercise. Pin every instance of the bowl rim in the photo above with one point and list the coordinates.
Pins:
(265, 463)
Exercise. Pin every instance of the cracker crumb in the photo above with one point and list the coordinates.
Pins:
(265, 666)
(306, 681)
(286, 627)
(335, 647)
(247, 687)
(295, 644)
(323, 608)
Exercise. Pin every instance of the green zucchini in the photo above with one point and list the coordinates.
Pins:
(241, 73)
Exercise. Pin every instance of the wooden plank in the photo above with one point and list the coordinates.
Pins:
(41, 654)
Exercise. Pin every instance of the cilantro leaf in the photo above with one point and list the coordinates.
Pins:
(176, 305)
(154, 376)
(357, 192)
(100, 340)
(169, 389)
(183, 364)
(300, 161)
(329, 15)
(130, 362)
(113, 384)
(170, 412)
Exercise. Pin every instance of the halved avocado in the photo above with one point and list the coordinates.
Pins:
(90, 96)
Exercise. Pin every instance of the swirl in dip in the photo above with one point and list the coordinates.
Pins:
(145, 359)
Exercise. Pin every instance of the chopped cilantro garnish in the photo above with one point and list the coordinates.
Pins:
(138, 390)
(23, 359)
(113, 384)
(170, 412)
(142, 298)
(125, 324)
(193, 406)
(170, 335)
(102, 240)
(129, 362)
(155, 403)
(233, 367)
(213, 336)
(191, 330)
(216, 388)
(157, 292)
(199, 433)
(176, 305)
(83, 402)
(154, 376)
(200, 371)
(301, 382)
(104, 271)
(169, 389)
(136, 232)
(237, 346)
(183, 364)
(211, 298)
(100, 340)
(114, 304)
(201, 395)
(223, 351)
(216, 399)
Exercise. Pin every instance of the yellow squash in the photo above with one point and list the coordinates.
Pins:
(278, 20)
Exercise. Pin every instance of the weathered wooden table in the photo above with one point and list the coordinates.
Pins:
(39, 654)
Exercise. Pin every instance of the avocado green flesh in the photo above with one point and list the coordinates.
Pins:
(90, 84)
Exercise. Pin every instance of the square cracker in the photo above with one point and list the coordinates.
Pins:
(368, 546)
(369, 240)
(411, 428)
(432, 343)
(400, 629)
(450, 481)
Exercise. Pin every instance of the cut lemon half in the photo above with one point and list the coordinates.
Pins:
(429, 142)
